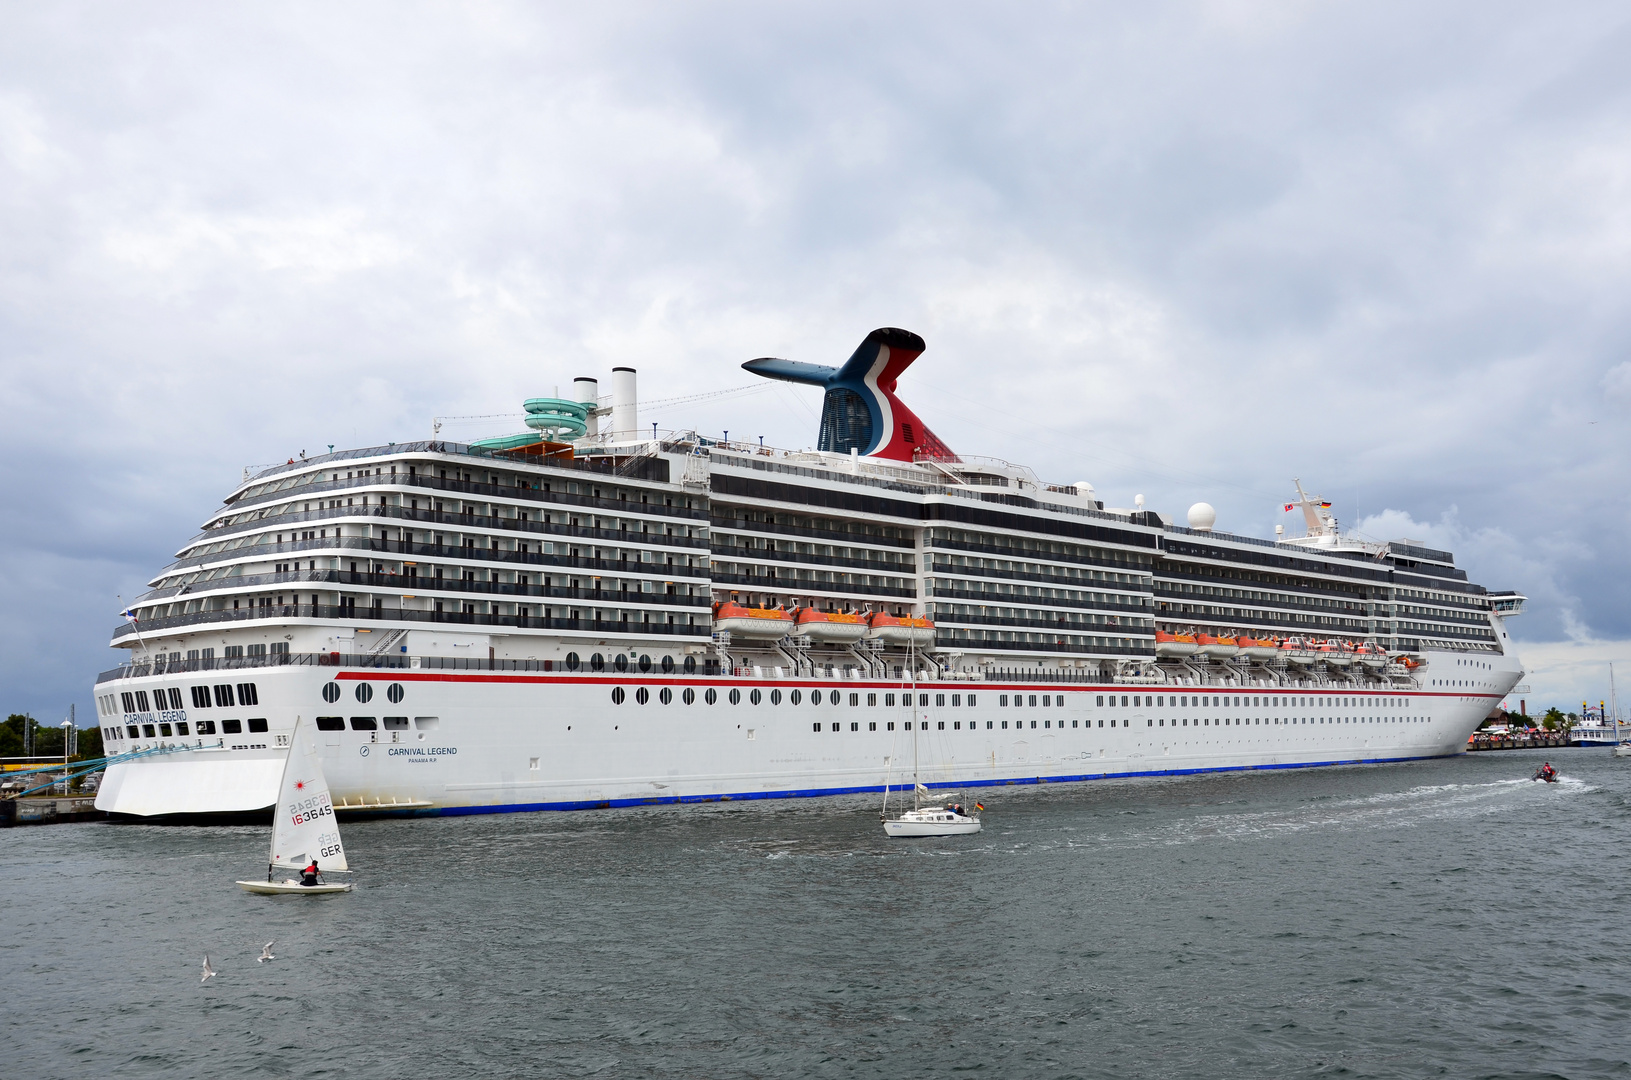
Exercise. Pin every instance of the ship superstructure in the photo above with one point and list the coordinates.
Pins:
(579, 616)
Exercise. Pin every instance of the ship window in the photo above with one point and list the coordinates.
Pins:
(736, 697)
(1149, 723)
(690, 665)
(395, 723)
(795, 697)
(890, 725)
(666, 696)
(956, 700)
(205, 727)
(235, 727)
(889, 699)
(855, 727)
(617, 695)
(940, 701)
(358, 723)
(247, 694)
(1124, 701)
(942, 725)
(872, 726)
(922, 701)
(324, 723)
(754, 697)
(620, 662)
(872, 699)
(645, 663)
(1002, 699)
(201, 697)
(149, 732)
(815, 727)
(668, 665)
(855, 699)
(835, 727)
(223, 696)
(164, 730)
(254, 725)
(642, 695)
(1005, 725)
(711, 696)
(775, 697)
(689, 696)
(597, 662)
(571, 661)
(134, 731)
(1100, 701)
(427, 723)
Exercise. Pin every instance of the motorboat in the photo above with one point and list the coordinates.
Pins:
(949, 820)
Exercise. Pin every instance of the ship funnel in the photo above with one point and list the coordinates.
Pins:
(587, 390)
(625, 408)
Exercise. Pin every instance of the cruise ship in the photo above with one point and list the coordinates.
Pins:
(588, 614)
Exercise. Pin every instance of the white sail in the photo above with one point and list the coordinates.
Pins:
(304, 827)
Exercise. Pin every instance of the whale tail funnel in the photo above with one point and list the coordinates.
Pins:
(861, 411)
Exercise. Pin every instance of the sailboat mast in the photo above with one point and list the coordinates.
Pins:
(1613, 701)
(911, 658)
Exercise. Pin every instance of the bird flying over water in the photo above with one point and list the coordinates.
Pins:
(266, 952)
(209, 972)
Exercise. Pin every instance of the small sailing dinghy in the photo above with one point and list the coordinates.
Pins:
(304, 829)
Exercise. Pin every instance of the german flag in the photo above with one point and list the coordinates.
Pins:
(1326, 505)
(979, 806)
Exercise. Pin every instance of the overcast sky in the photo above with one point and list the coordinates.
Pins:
(1184, 251)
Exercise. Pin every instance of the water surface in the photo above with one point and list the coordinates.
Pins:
(1440, 918)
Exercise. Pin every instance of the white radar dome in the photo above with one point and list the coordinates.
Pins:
(1202, 517)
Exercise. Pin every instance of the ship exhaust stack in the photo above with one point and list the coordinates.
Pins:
(625, 408)
(587, 390)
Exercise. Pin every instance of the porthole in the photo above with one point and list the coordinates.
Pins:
(668, 665)
(617, 695)
(834, 697)
(795, 697)
(597, 662)
(710, 695)
(815, 697)
(736, 697)
(690, 665)
(393, 693)
(642, 695)
(571, 661)
(755, 697)
(365, 693)
(645, 662)
(331, 692)
(620, 662)
(666, 696)
(775, 697)
(689, 697)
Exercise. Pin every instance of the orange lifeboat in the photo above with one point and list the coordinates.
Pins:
(1175, 644)
(1259, 648)
(834, 626)
(901, 629)
(1221, 647)
(1336, 653)
(752, 622)
(1296, 651)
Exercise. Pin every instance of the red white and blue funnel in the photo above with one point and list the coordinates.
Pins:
(861, 411)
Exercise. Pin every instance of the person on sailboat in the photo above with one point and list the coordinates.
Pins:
(308, 876)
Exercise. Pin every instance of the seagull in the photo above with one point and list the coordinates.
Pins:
(266, 952)
(209, 972)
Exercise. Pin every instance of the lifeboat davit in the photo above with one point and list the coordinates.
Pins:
(1175, 644)
(901, 629)
(752, 622)
(1258, 648)
(825, 626)
(1220, 647)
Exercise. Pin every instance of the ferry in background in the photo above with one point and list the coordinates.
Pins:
(578, 616)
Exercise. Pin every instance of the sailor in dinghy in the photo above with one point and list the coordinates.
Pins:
(304, 828)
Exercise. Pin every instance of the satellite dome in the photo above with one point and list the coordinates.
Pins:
(1202, 517)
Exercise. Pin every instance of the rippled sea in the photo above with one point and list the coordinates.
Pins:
(1441, 918)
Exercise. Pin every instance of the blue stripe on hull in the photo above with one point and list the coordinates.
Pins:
(806, 793)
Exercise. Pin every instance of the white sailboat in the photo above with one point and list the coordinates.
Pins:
(304, 829)
(1622, 745)
(920, 820)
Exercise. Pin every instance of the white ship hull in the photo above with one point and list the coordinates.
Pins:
(512, 741)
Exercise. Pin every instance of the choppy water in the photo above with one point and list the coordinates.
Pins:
(1430, 919)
